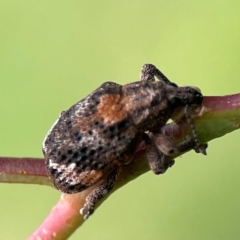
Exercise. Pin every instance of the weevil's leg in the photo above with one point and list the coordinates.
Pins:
(158, 161)
(161, 77)
(191, 144)
(149, 71)
(98, 193)
(199, 148)
(166, 145)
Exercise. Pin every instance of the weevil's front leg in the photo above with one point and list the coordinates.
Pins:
(149, 71)
(191, 144)
(98, 193)
(199, 148)
(166, 145)
(160, 150)
(158, 161)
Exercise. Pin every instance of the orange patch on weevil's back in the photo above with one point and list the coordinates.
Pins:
(111, 108)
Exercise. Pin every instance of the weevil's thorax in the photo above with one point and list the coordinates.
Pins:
(147, 103)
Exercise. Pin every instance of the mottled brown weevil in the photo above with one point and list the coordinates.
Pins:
(96, 136)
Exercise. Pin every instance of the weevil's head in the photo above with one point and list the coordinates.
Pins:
(183, 96)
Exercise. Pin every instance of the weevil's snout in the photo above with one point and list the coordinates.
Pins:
(186, 95)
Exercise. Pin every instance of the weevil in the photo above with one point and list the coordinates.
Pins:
(99, 134)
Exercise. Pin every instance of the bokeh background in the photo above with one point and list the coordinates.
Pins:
(53, 53)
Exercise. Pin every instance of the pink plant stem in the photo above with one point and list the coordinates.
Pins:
(63, 219)
(23, 170)
(220, 116)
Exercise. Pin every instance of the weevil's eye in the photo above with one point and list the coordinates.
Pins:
(198, 97)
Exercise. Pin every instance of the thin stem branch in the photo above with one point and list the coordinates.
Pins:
(23, 170)
(219, 116)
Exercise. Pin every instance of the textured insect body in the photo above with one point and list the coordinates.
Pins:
(99, 134)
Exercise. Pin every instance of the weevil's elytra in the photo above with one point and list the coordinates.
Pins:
(96, 136)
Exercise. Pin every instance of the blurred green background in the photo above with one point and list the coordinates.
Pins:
(53, 53)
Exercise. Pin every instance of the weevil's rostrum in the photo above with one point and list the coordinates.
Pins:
(97, 135)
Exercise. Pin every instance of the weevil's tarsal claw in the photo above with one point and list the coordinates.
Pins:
(201, 148)
(204, 152)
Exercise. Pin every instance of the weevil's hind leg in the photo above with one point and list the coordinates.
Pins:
(161, 77)
(98, 193)
(158, 161)
(149, 71)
